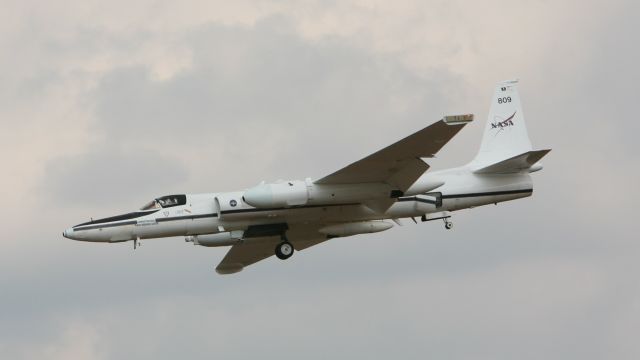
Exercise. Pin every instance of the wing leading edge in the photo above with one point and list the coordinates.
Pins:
(400, 164)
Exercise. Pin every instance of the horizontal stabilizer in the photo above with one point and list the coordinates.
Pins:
(515, 164)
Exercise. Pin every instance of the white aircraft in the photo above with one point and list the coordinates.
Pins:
(390, 184)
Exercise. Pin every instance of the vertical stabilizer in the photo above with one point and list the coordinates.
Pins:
(505, 134)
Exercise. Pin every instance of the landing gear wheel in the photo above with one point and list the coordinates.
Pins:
(448, 224)
(284, 250)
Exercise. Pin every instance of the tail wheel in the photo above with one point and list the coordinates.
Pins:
(448, 225)
(284, 250)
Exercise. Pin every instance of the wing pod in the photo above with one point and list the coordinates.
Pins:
(282, 194)
(212, 240)
(355, 228)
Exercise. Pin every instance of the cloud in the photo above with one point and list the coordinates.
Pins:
(257, 101)
(264, 95)
(109, 109)
(105, 176)
(77, 341)
(485, 313)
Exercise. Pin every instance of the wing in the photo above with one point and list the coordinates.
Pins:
(399, 164)
(247, 252)
(254, 249)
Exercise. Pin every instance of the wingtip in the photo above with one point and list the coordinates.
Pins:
(229, 269)
(457, 119)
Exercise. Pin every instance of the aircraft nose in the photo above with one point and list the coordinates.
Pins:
(68, 233)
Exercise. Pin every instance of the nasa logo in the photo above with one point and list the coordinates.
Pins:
(233, 203)
(503, 124)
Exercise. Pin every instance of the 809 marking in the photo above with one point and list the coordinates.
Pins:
(504, 100)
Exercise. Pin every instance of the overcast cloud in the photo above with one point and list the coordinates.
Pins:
(105, 105)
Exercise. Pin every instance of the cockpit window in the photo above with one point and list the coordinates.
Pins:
(172, 200)
(165, 202)
(153, 204)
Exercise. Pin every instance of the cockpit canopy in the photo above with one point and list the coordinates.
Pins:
(165, 202)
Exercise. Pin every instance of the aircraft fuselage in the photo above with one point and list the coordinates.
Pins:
(206, 214)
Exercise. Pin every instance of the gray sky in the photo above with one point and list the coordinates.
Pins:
(104, 105)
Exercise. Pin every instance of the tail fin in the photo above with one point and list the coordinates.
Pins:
(505, 135)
